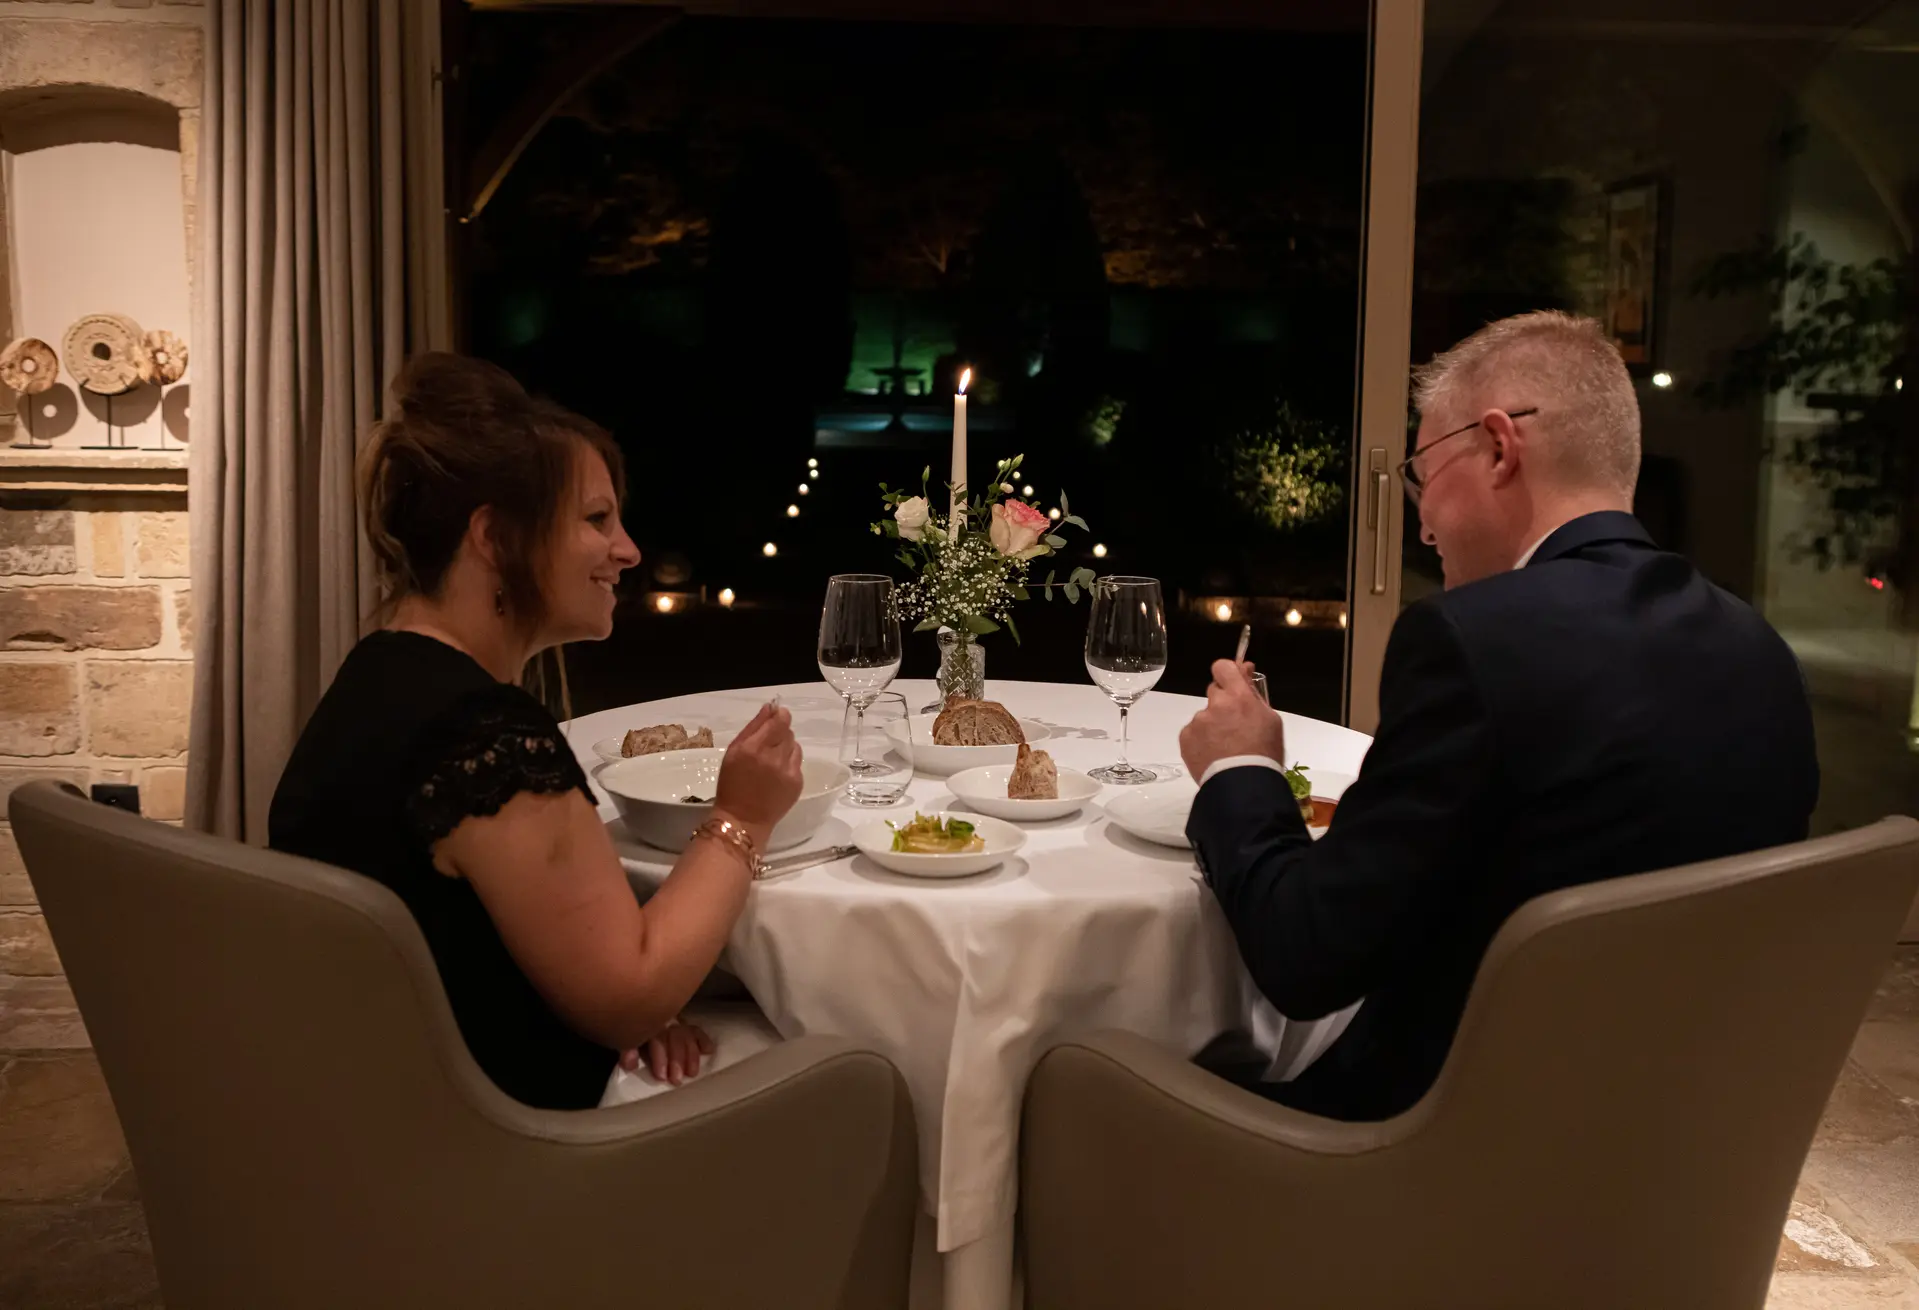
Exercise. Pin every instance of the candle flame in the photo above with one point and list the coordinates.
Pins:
(965, 378)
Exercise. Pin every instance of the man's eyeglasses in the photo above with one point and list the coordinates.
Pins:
(1411, 477)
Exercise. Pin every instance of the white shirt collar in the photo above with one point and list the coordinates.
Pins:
(1526, 559)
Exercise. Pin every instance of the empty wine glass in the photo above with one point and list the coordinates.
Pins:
(1125, 654)
(859, 647)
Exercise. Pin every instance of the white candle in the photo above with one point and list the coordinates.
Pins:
(957, 514)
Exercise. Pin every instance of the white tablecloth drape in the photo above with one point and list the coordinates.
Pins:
(964, 984)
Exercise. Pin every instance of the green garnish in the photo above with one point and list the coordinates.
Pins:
(933, 836)
(1302, 790)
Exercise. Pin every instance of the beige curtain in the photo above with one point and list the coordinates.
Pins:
(322, 266)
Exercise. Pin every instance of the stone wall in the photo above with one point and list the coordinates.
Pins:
(96, 610)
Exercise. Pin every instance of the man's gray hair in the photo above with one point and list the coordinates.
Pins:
(1565, 366)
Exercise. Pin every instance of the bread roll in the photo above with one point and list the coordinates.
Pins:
(976, 723)
(1035, 776)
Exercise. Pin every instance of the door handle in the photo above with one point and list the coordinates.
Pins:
(1379, 515)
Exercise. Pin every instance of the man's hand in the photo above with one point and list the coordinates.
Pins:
(1235, 722)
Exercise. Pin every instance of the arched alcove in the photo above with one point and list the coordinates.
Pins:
(94, 224)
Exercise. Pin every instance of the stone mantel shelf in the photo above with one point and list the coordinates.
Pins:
(55, 468)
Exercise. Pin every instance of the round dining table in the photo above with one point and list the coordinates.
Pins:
(965, 983)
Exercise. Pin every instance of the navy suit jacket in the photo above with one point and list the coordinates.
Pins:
(1603, 711)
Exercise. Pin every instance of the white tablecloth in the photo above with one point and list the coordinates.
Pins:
(965, 984)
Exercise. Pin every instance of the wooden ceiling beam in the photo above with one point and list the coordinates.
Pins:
(623, 30)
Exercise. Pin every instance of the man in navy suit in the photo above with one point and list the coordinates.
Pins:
(1577, 704)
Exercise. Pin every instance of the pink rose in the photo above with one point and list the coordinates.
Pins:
(1017, 528)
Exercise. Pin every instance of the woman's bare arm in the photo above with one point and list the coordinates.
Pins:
(616, 971)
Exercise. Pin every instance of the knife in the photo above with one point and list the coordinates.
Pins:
(807, 859)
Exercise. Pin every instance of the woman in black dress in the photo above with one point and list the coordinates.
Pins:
(495, 524)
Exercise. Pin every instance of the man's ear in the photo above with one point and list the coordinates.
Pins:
(1508, 445)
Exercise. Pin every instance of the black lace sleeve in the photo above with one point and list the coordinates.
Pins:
(480, 754)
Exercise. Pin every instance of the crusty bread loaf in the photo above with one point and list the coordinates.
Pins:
(664, 737)
(976, 723)
(1035, 776)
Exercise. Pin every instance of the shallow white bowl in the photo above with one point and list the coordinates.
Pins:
(985, 790)
(647, 790)
(1155, 812)
(609, 748)
(875, 841)
(944, 761)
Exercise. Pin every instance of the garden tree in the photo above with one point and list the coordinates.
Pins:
(778, 287)
(1034, 312)
(1841, 337)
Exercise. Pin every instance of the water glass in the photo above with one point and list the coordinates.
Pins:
(859, 651)
(1125, 654)
(1262, 690)
(872, 735)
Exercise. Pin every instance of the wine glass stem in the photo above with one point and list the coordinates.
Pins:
(1124, 765)
(859, 732)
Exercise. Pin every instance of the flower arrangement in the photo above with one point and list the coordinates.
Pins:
(970, 573)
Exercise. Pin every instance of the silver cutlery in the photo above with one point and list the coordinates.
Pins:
(807, 859)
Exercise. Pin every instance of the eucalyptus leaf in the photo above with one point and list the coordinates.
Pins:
(926, 625)
(1072, 593)
(979, 625)
(1064, 508)
(1057, 543)
(1077, 522)
(1020, 593)
(1013, 628)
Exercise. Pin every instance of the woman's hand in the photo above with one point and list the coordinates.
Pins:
(760, 776)
(674, 1055)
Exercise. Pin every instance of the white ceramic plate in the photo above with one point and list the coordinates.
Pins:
(985, 790)
(945, 761)
(647, 791)
(1155, 812)
(875, 841)
(608, 748)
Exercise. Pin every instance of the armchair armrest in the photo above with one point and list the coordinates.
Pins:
(1147, 1182)
(789, 1179)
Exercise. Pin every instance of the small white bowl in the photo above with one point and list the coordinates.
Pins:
(985, 790)
(647, 791)
(944, 761)
(1003, 840)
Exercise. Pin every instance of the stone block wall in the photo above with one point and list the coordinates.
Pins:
(96, 609)
(96, 669)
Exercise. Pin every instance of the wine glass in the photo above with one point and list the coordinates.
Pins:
(859, 648)
(1125, 654)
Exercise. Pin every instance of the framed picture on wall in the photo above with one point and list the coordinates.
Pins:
(1635, 247)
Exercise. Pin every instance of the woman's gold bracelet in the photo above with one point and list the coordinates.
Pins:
(738, 838)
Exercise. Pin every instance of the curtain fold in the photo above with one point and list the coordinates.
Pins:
(321, 268)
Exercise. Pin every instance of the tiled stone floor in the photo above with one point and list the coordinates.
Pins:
(73, 1236)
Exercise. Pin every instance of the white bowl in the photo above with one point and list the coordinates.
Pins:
(875, 841)
(985, 790)
(1155, 812)
(944, 761)
(647, 790)
(611, 749)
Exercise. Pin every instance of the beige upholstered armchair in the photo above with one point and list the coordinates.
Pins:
(309, 1130)
(1621, 1122)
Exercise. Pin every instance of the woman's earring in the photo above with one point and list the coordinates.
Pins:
(499, 601)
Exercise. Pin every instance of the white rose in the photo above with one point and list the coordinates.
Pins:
(911, 515)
